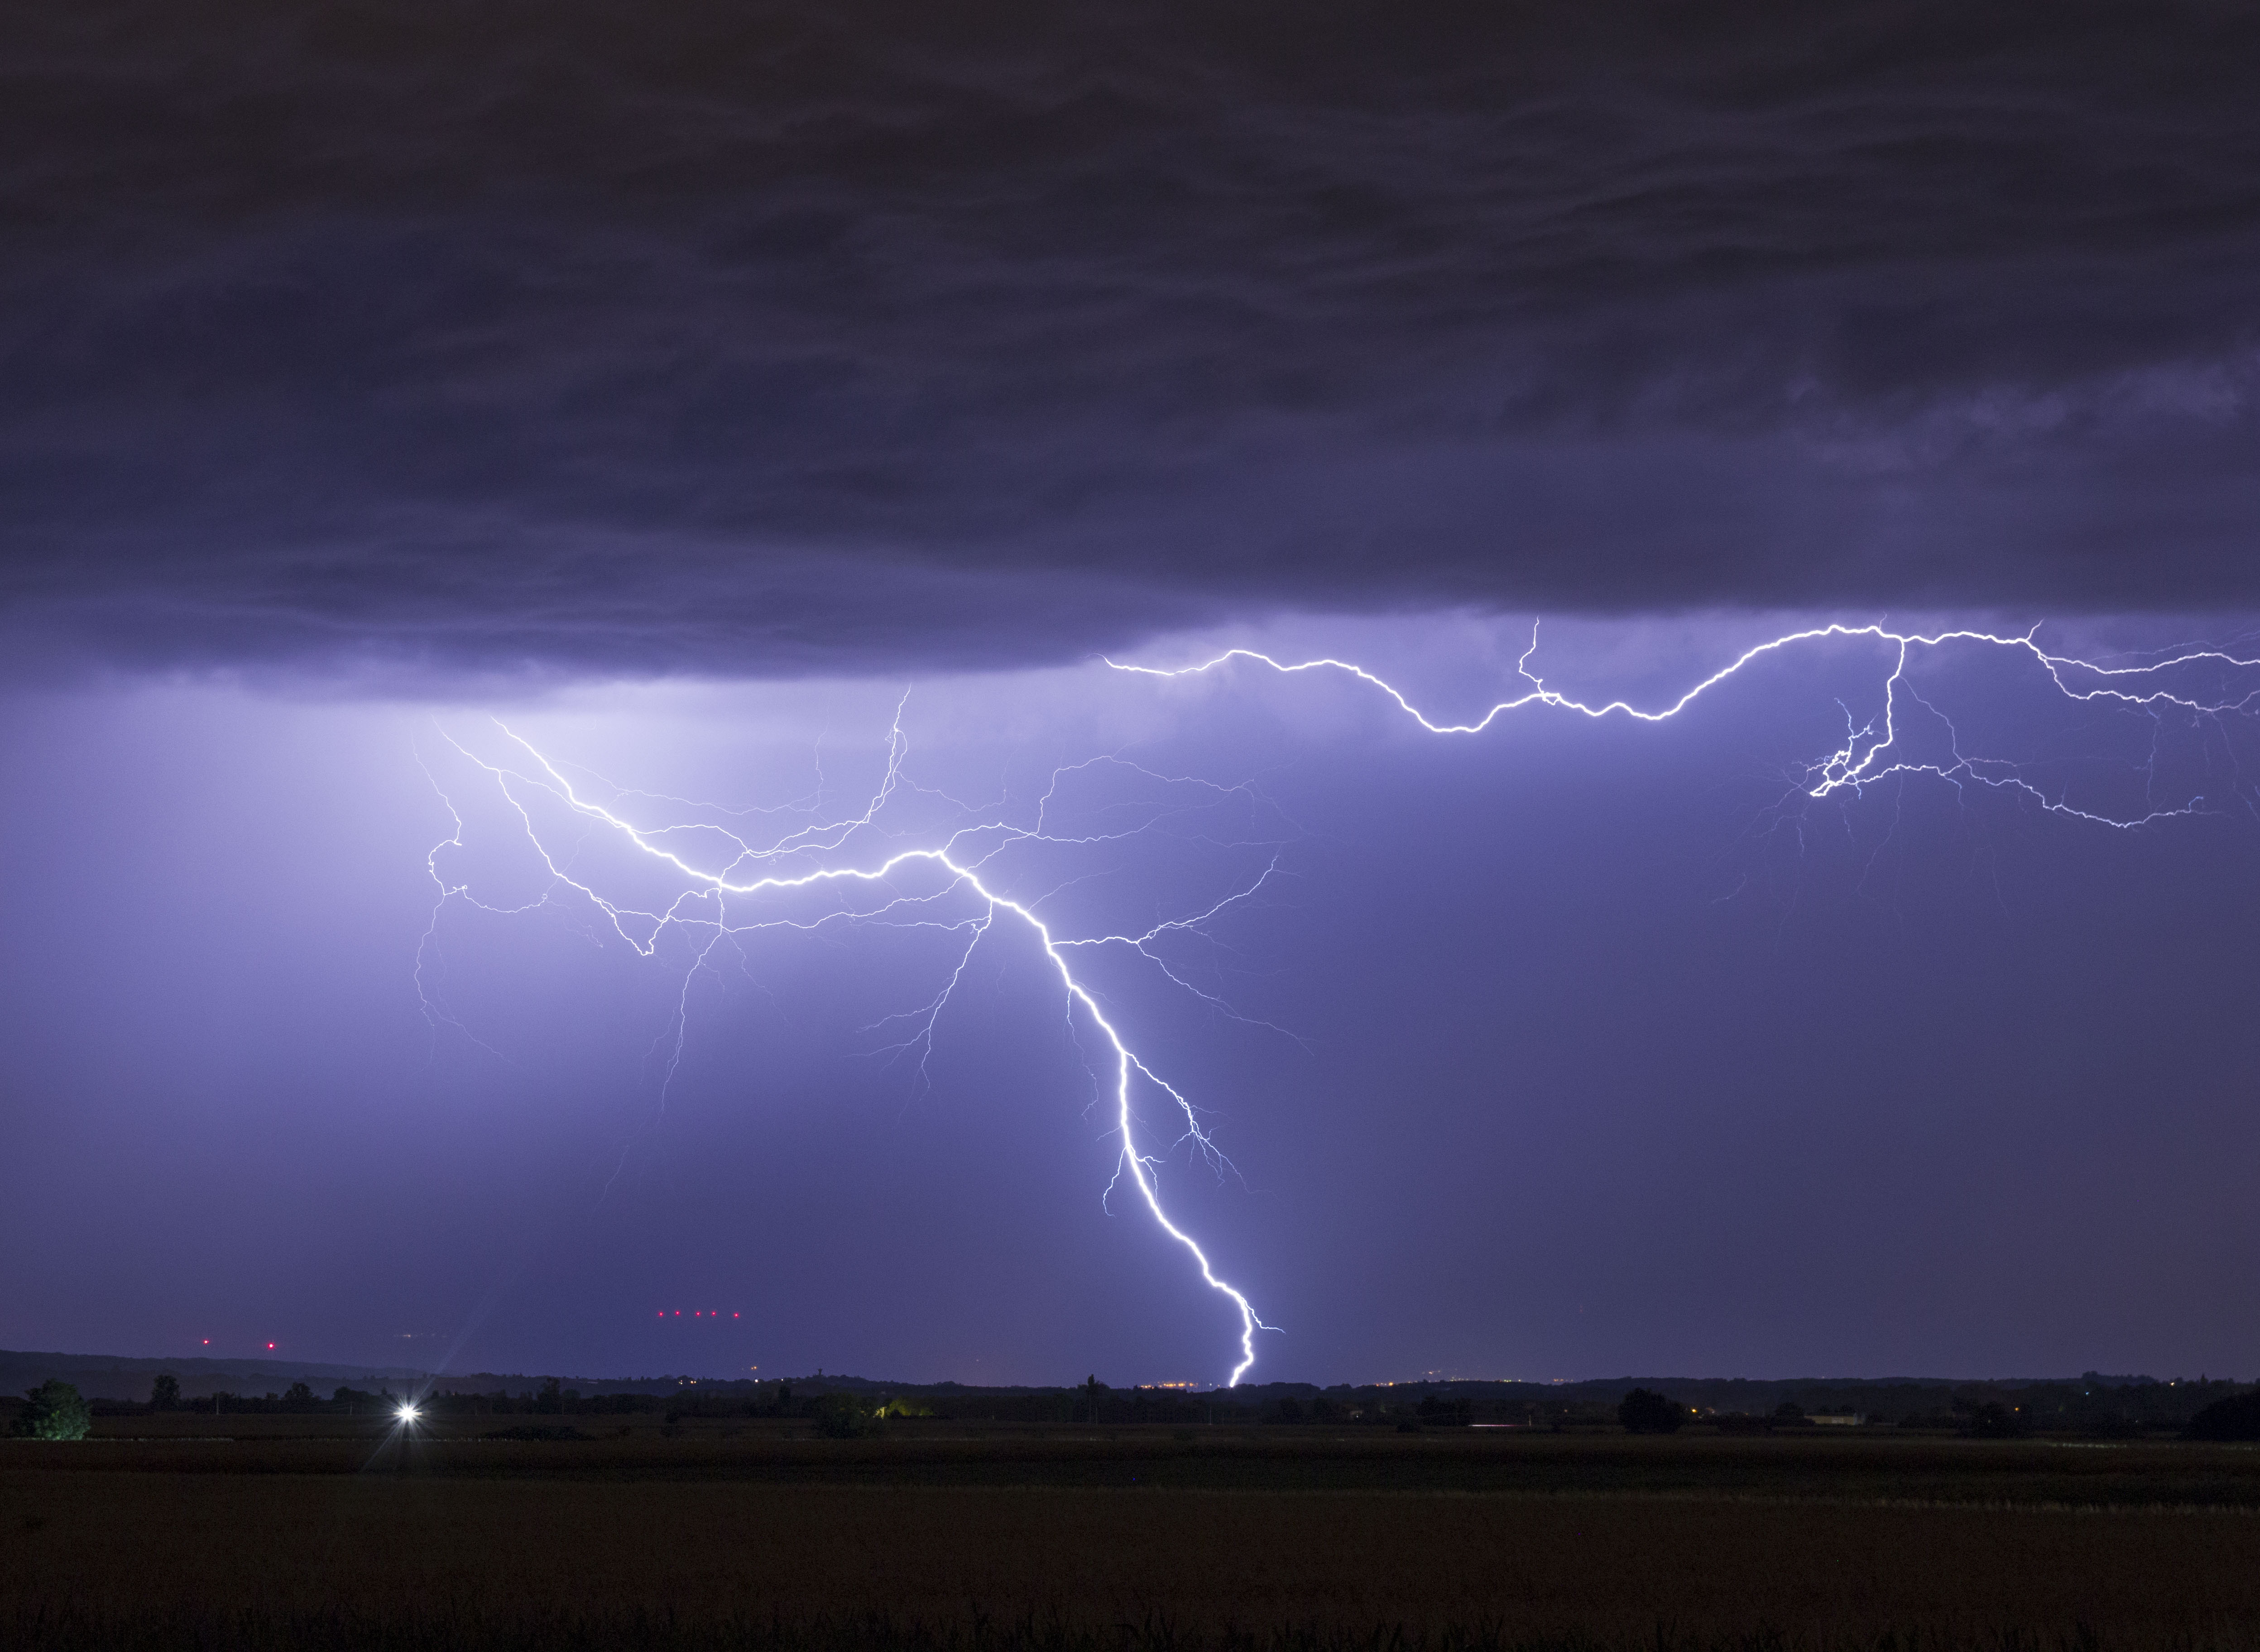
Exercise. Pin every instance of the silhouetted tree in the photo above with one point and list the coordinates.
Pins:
(552, 1401)
(2237, 1418)
(1092, 1390)
(55, 1411)
(299, 1396)
(1645, 1412)
(165, 1393)
(843, 1416)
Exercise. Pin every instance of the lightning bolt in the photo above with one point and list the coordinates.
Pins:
(1871, 751)
(750, 875)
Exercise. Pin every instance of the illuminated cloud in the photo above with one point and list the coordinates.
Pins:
(763, 339)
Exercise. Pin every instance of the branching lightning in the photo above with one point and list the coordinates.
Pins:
(728, 885)
(1871, 750)
(747, 876)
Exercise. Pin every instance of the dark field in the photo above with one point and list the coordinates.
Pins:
(312, 1531)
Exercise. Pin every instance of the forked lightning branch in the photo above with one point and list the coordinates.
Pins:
(713, 906)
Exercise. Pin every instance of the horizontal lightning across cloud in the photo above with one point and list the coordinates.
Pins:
(1870, 753)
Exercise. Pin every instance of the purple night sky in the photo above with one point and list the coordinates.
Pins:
(690, 396)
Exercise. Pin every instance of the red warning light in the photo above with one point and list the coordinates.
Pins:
(270, 1345)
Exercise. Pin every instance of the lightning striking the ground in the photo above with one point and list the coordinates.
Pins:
(702, 908)
(720, 885)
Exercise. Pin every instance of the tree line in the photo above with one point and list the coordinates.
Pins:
(2092, 1407)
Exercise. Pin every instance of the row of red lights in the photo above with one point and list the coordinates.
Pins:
(695, 1314)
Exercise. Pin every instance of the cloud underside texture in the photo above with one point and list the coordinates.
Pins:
(745, 338)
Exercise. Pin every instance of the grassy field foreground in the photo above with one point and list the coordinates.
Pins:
(1119, 1537)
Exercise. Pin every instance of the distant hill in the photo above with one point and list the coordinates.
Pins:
(116, 1377)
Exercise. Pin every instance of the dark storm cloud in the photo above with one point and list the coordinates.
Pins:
(772, 338)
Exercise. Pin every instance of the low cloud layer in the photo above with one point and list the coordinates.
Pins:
(774, 339)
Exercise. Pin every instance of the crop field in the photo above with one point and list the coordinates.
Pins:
(317, 1532)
